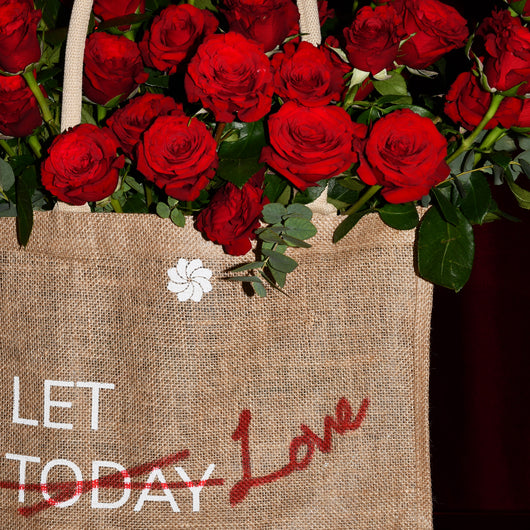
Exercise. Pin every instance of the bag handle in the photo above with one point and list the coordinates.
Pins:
(73, 73)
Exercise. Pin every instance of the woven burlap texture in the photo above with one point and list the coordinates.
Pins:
(88, 301)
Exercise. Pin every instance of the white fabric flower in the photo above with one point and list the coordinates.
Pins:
(189, 279)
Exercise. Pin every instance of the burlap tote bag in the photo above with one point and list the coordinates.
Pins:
(123, 407)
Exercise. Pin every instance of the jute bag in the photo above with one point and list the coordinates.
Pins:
(124, 407)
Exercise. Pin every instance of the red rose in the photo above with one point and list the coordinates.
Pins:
(19, 111)
(128, 123)
(174, 36)
(523, 120)
(113, 67)
(231, 75)
(19, 44)
(507, 42)
(405, 154)
(179, 155)
(372, 41)
(311, 144)
(467, 103)
(265, 21)
(108, 9)
(232, 216)
(437, 28)
(307, 75)
(82, 165)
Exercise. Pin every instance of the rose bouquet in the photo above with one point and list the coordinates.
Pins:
(224, 114)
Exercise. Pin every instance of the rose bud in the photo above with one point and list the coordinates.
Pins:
(232, 216)
(307, 75)
(128, 123)
(174, 36)
(311, 144)
(19, 44)
(372, 41)
(19, 110)
(230, 75)
(179, 155)
(405, 154)
(113, 67)
(82, 165)
(267, 22)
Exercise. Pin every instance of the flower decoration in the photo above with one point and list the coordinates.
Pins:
(189, 279)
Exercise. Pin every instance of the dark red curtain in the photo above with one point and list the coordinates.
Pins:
(480, 385)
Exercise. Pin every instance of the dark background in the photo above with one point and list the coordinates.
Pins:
(480, 386)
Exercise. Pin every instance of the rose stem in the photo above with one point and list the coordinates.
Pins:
(219, 131)
(370, 192)
(34, 143)
(8, 149)
(488, 142)
(148, 194)
(41, 100)
(468, 142)
(116, 205)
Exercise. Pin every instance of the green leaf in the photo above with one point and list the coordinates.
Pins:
(24, 207)
(310, 194)
(341, 196)
(7, 176)
(300, 228)
(445, 251)
(295, 242)
(273, 213)
(247, 266)
(259, 289)
(177, 217)
(400, 216)
(420, 111)
(505, 143)
(274, 186)
(279, 261)
(251, 141)
(518, 7)
(278, 277)
(135, 204)
(395, 85)
(135, 185)
(157, 79)
(348, 223)
(251, 279)
(162, 209)
(238, 171)
(522, 195)
(447, 209)
(477, 196)
(270, 236)
(299, 210)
